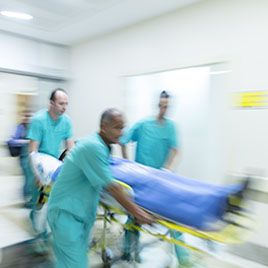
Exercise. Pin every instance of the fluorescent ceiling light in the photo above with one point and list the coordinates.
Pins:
(16, 15)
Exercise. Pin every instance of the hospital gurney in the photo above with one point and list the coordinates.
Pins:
(204, 210)
(180, 204)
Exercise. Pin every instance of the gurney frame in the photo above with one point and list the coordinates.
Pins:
(231, 233)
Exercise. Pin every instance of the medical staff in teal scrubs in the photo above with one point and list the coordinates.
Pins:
(75, 195)
(156, 146)
(50, 128)
(50, 132)
(155, 139)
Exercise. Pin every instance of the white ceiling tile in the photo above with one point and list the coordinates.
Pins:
(54, 20)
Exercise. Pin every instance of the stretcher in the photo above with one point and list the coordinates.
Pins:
(204, 210)
(181, 204)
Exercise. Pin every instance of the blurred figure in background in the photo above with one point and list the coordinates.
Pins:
(49, 129)
(156, 146)
(19, 144)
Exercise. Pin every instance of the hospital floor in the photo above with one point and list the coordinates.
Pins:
(18, 249)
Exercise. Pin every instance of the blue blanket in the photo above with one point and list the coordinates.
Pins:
(182, 200)
(187, 201)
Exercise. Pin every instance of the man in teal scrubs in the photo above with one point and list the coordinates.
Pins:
(50, 132)
(50, 128)
(75, 195)
(156, 146)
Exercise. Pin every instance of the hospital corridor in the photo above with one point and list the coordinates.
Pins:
(133, 134)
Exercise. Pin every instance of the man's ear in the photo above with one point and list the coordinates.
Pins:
(103, 127)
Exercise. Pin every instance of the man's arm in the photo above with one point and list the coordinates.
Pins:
(35, 133)
(18, 139)
(131, 135)
(69, 143)
(117, 192)
(33, 146)
(174, 147)
(173, 153)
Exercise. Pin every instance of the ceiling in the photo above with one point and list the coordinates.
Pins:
(68, 22)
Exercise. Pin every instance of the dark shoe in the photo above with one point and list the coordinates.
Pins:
(126, 257)
(137, 258)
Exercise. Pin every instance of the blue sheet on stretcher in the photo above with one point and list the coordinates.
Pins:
(182, 200)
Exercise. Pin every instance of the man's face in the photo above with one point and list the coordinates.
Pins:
(60, 103)
(114, 129)
(163, 106)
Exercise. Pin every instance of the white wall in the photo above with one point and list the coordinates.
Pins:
(25, 56)
(196, 111)
(208, 32)
(11, 84)
(31, 56)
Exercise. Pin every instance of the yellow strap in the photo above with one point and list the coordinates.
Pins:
(228, 235)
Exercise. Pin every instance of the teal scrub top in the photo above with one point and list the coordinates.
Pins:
(85, 172)
(154, 141)
(50, 133)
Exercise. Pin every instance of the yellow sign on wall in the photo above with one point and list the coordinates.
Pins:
(251, 99)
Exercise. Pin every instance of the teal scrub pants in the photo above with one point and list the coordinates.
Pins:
(70, 239)
(182, 253)
(131, 242)
(27, 172)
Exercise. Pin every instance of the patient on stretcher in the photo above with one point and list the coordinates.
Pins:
(171, 197)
